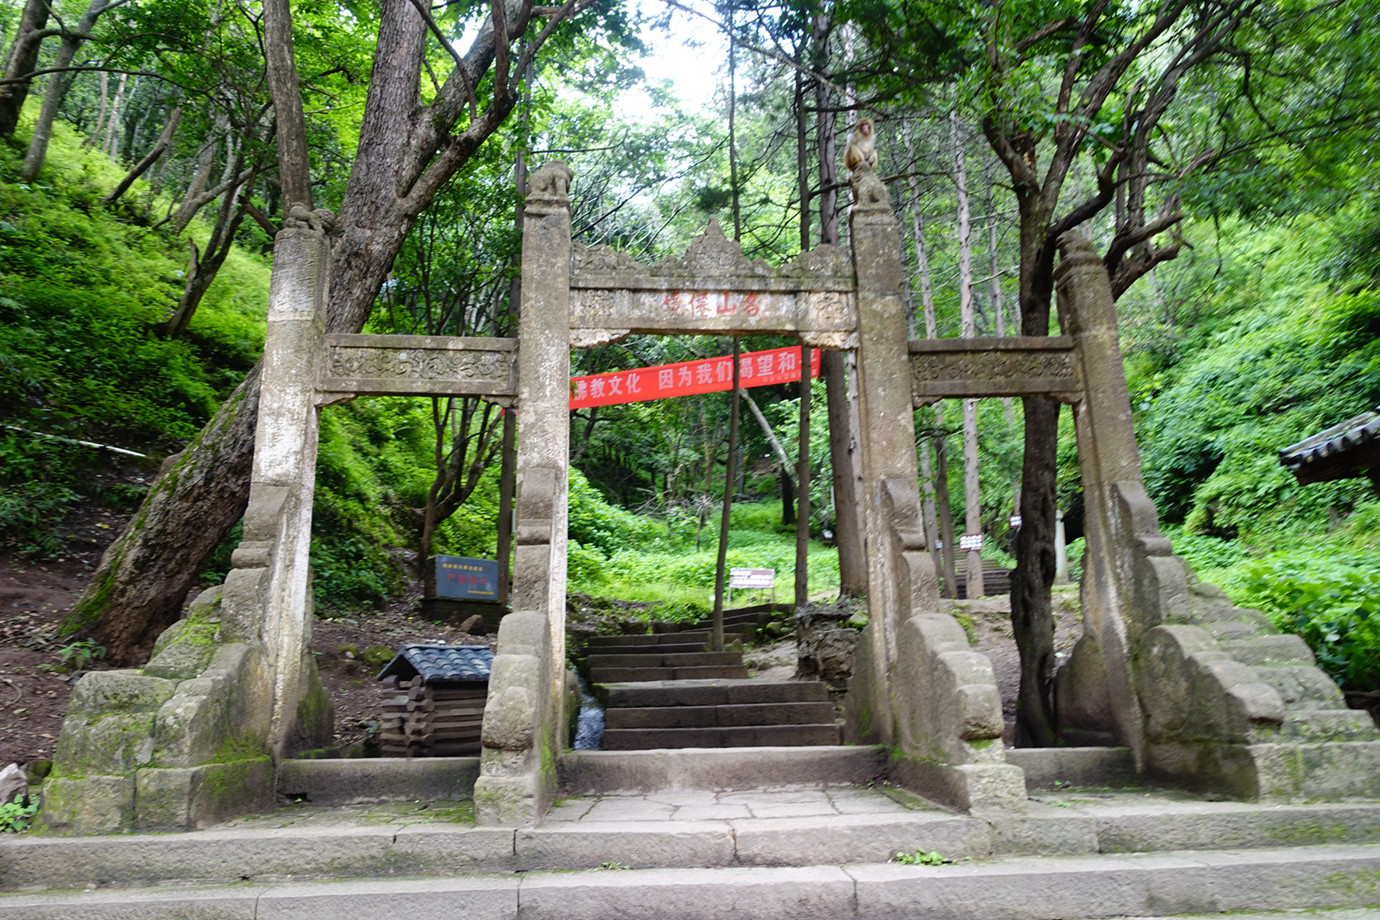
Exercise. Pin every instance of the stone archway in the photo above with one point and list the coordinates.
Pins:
(1203, 693)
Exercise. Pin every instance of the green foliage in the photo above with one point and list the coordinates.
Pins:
(369, 474)
(598, 525)
(1208, 555)
(1261, 373)
(16, 817)
(921, 858)
(665, 566)
(1332, 601)
(79, 359)
(36, 489)
(79, 654)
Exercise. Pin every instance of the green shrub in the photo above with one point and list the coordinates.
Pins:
(1332, 601)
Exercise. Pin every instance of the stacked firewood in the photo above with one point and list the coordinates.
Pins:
(431, 718)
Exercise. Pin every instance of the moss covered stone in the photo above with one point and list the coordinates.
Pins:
(88, 805)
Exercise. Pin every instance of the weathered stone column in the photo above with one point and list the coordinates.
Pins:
(186, 740)
(277, 523)
(1119, 521)
(917, 685)
(887, 424)
(524, 720)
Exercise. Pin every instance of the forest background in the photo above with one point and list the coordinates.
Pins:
(1219, 153)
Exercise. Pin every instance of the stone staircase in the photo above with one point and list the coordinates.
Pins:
(666, 690)
(768, 833)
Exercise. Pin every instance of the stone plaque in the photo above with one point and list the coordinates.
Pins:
(419, 365)
(713, 288)
(983, 367)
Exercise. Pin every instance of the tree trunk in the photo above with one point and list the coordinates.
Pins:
(23, 59)
(1032, 617)
(843, 458)
(112, 133)
(716, 633)
(145, 575)
(293, 165)
(104, 106)
(203, 271)
(164, 141)
(195, 197)
(972, 497)
(57, 90)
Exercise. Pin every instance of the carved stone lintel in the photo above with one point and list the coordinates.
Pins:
(438, 365)
(974, 368)
(837, 341)
(593, 338)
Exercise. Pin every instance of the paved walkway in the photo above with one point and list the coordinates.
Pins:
(701, 805)
(685, 806)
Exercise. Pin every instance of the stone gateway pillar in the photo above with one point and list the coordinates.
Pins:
(193, 736)
(524, 720)
(917, 686)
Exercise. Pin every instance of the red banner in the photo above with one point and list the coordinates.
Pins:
(708, 375)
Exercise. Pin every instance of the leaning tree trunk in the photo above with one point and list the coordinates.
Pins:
(56, 92)
(145, 575)
(23, 59)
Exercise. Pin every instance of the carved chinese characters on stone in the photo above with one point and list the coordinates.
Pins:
(993, 367)
(713, 287)
(363, 364)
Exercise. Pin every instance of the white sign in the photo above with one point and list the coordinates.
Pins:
(970, 541)
(751, 578)
(1015, 520)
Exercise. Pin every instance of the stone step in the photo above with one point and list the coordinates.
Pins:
(584, 773)
(378, 779)
(672, 638)
(745, 618)
(1301, 686)
(729, 714)
(1085, 767)
(647, 739)
(1201, 883)
(658, 648)
(1329, 725)
(665, 660)
(645, 674)
(711, 692)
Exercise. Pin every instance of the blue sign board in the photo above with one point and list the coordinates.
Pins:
(466, 579)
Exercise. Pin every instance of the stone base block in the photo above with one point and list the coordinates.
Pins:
(89, 805)
(1322, 770)
(378, 779)
(976, 788)
(186, 798)
(1054, 768)
(507, 801)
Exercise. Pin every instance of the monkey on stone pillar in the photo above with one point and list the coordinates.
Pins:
(862, 147)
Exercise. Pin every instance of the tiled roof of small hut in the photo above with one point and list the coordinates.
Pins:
(441, 662)
(1340, 451)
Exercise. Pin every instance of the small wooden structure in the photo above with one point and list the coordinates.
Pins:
(1344, 451)
(433, 700)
